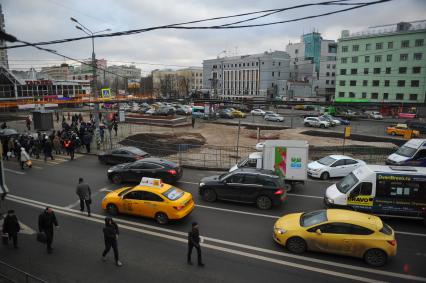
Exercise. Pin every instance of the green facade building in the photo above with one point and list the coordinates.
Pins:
(383, 64)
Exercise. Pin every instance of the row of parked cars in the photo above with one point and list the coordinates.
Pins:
(159, 108)
(325, 121)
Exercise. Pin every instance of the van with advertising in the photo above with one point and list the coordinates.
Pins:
(383, 190)
(412, 153)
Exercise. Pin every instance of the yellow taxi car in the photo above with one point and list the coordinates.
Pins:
(402, 130)
(151, 198)
(237, 113)
(337, 231)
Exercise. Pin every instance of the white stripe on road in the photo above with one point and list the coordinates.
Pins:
(252, 248)
(305, 196)
(236, 211)
(14, 171)
(185, 182)
(231, 251)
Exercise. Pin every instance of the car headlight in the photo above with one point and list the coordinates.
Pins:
(202, 184)
(330, 200)
(280, 231)
(110, 171)
(315, 170)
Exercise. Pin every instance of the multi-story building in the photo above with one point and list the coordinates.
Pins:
(313, 60)
(257, 76)
(383, 64)
(61, 72)
(85, 71)
(3, 52)
(177, 83)
(128, 71)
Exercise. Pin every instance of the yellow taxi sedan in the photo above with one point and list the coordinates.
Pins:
(152, 199)
(238, 114)
(337, 231)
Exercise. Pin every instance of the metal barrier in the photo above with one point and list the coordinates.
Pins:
(12, 274)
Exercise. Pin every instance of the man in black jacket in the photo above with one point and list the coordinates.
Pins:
(84, 193)
(194, 241)
(111, 236)
(11, 227)
(46, 221)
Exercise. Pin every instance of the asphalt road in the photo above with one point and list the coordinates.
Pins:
(238, 245)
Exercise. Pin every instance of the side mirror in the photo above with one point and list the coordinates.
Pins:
(318, 231)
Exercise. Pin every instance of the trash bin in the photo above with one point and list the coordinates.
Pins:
(43, 120)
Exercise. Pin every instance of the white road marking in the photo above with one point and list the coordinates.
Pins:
(410, 233)
(41, 161)
(24, 228)
(236, 211)
(223, 249)
(305, 196)
(185, 182)
(14, 171)
(272, 252)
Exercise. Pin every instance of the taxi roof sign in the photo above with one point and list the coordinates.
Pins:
(151, 182)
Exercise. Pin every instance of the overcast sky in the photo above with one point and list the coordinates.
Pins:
(43, 20)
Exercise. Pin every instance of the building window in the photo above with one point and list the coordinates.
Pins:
(401, 83)
(355, 47)
(399, 96)
(413, 96)
(415, 83)
(341, 94)
(419, 42)
(365, 71)
(279, 74)
(367, 59)
(344, 60)
(374, 95)
(343, 71)
(344, 49)
(376, 71)
(333, 74)
(389, 57)
(352, 83)
(387, 82)
(379, 45)
(327, 74)
(385, 95)
(416, 70)
(333, 66)
(351, 94)
(342, 83)
(273, 73)
(364, 83)
(328, 66)
(388, 70)
(257, 63)
(279, 63)
(327, 82)
(364, 95)
(355, 59)
(402, 70)
(403, 57)
(376, 83)
(390, 44)
(417, 56)
(378, 58)
(332, 82)
(405, 44)
(354, 71)
(368, 46)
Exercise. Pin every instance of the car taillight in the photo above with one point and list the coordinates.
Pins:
(392, 242)
(180, 207)
(173, 172)
(139, 157)
(279, 192)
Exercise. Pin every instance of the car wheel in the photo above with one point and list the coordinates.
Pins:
(325, 176)
(307, 124)
(322, 126)
(393, 133)
(375, 257)
(112, 209)
(209, 195)
(296, 245)
(116, 179)
(264, 202)
(161, 218)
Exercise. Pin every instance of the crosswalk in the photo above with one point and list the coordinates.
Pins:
(39, 164)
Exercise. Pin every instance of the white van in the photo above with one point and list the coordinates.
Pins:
(412, 153)
(383, 190)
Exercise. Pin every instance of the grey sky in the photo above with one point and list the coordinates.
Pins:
(42, 20)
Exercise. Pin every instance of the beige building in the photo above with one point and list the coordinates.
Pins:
(61, 72)
(177, 83)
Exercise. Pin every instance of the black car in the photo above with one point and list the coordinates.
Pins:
(151, 167)
(262, 187)
(122, 155)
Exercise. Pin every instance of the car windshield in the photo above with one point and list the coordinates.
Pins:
(124, 191)
(136, 151)
(406, 151)
(239, 164)
(313, 218)
(322, 119)
(173, 193)
(328, 160)
(223, 176)
(347, 183)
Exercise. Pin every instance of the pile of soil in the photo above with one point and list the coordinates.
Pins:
(165, 143)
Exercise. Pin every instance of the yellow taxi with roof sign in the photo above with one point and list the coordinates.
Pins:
(151, 198)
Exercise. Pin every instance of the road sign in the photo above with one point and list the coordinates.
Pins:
(106, 92)
(347, 132)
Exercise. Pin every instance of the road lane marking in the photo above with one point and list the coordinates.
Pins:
(253, 248)
(305, 196)
(223, 249)
(186, 182)
(410, 233)
(14, 171)
(236, 211)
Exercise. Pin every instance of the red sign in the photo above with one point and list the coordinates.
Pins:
(407, 115)
(39, 82)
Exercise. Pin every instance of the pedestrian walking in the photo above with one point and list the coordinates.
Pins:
(193, 121)
(28, 121)
(84, 193)
(25, 159)
(47, 149)
(87, 140)
(111, 237)
(57, 144)
(11, 227)
(115, 126)
(194, 242)
(46, 221)
(57, 116)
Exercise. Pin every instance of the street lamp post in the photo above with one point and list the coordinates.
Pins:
(94, 75)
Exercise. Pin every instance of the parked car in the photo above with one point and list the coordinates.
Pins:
(374, 115)
(262, 187)
(122, 155)
(333, 166)
(150, 111)
(416, 125)
(238, 114)
(402, 130)
(225, 113)
(333, 122)
(343, 121)
(169, 172)
(316, 122)
(337, 231)
(274, 118)
(165, 111)
(269, 113)
(257, 112)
